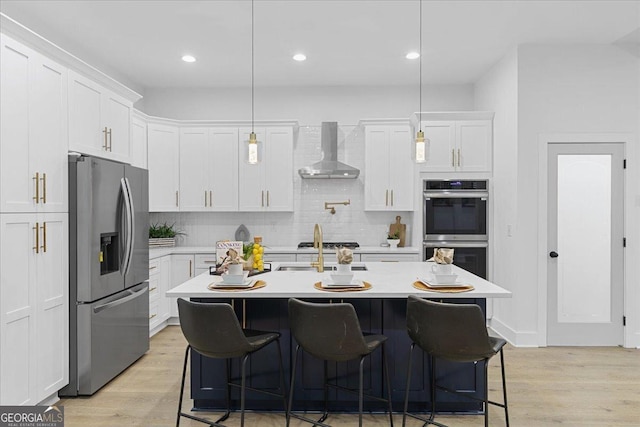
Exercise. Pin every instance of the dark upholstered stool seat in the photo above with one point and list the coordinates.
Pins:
(455, 332)
(331, 332)
(213, 330)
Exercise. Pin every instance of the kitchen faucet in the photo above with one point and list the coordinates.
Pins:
(317, 243)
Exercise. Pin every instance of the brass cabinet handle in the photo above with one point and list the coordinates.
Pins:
(44, 188)
(152, 316)
(152, 267)
(210, 198)
(386, 198)
(459, 157)
(267, 198)
(36, 180)
(391, 197)
(44, 237)
(205, 198)
(209, 261)
(190, 263)
(153, 289)
(176, 198)
(110, 140)
(105, 146)
(37, 230)
(453, 157)
(263, 198)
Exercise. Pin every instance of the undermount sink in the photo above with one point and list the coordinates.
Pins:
(310, 268)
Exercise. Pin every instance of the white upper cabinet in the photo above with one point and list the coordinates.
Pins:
(267, 185)
(163, 154)
(209, 169)
(99, 120)
(33, 139)
(138, 142)
(461, 144)
(389, 167)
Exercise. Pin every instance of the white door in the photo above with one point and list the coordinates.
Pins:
(585, 238)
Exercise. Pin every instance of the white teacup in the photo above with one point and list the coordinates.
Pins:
(442, 269)
(235, 269)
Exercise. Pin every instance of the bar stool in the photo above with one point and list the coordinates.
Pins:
(213, 330)
(331, 332)
(455, 332)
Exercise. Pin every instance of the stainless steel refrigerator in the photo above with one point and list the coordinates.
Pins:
(108, 271)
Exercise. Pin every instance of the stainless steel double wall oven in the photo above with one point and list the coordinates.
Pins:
(455, 214)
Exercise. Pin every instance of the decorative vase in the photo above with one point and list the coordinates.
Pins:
(343, 268)
(393, 243)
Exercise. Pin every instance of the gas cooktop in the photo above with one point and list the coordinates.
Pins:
(330, 245)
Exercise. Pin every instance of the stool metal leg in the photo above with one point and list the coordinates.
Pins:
(325, 390)
(242, 388)
(283, 386)
(184, 374)
(293, 379)
(408, 384)
(386, 375)
(360, 391)
(504, 388)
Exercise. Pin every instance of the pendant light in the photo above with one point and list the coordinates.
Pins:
(253, 140)
(421, 142)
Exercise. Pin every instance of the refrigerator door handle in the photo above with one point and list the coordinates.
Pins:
(132, 229)
(132, 295)
(127, 246)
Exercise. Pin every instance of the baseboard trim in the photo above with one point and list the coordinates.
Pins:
(517, 339)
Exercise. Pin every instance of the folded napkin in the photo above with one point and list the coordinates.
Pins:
(344, 255)
(443, 255)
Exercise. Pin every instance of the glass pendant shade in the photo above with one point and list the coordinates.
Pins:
(421, 148)
(253, 149)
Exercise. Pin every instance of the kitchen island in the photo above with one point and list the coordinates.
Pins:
(381, 310)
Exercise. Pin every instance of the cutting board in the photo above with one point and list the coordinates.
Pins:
(401, 229)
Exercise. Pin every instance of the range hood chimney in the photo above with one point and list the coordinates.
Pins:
(329, 166)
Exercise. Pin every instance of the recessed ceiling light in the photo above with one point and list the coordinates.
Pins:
(188, 58)
(299, 57)
(413, 55)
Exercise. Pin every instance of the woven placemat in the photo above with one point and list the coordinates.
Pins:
(318, 286)
(447, 289)
(257, 285)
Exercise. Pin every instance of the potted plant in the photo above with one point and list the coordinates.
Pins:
(162, 235)
(393, 240)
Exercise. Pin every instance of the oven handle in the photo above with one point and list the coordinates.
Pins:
(449, 244)
(456, 195)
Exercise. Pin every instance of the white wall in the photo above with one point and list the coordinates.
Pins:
(586, 89)
(308, 105)
(497, 91)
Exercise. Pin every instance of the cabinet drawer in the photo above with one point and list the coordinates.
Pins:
(154, 286)
(154, 268)
(329, 257)
(279, 257)
(204, 261)
(390, 257)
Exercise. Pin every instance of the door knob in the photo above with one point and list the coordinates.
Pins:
(553, 254)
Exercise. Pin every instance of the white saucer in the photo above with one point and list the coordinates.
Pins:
(433, 284)
(247, 283)
(354, 284)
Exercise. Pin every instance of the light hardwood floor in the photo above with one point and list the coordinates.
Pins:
(566, 386)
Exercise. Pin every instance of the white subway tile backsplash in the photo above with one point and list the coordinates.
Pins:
(289, 228)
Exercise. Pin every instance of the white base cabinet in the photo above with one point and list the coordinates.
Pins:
(159, 280)
(34, 307)
(182, 269)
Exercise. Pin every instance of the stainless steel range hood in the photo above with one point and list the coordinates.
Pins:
(329, 166)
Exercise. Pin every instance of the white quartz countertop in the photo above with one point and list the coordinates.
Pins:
(159, 252)
(388, 280)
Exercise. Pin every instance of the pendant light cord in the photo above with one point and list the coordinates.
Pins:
(420, 112)
(252, 83)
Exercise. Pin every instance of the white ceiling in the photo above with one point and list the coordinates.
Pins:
(358, 42)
